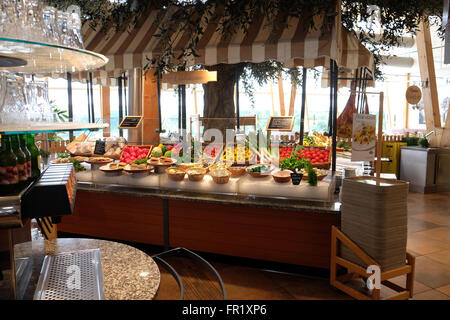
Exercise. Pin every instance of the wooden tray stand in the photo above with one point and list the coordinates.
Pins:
(355, 271)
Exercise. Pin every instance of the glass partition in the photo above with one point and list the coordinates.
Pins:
(209, 156)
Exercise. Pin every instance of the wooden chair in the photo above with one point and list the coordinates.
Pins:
(355, 271)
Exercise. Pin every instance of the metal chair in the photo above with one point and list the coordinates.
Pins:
(159, 258)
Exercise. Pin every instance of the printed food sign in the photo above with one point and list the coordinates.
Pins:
(364, 137)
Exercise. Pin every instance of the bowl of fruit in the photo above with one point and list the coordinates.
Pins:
(133, 153)
(320, 158)
(236, 171)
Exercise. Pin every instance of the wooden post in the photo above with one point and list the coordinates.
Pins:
(281, 95)
(307, 114)
(195, 100)
(292, 101)
(428, 77)
(150, 109)
(105, 104)
(388, 105)
(408, 76)
(445, 135)
(271, 95)
(380, 136)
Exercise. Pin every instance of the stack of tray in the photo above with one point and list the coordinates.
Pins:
(374, 215)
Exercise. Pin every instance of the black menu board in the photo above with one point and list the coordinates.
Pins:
(296, 178)
(130, 122)
(100, 147)
(280, 123)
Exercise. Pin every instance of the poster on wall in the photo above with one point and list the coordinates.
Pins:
(364, 137)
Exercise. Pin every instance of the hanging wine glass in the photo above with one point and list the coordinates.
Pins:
(77, 40)
(62, 20)
(49, 25)
(42, 102)
(34, 114)
(10, 18)
(14, 106)
(33, 20)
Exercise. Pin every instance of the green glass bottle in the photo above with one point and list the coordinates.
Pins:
(23, 146)
(9, 175)
(35, 156)
(21, 161)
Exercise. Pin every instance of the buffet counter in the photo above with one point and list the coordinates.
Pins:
(258, 226)
(332, 207)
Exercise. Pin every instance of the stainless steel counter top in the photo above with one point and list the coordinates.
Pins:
(430, 149)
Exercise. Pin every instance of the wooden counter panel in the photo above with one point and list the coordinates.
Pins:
(116, 217)
(261, 233)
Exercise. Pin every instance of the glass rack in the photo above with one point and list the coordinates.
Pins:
(42, 58)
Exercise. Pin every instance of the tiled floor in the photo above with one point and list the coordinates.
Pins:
(428, 240)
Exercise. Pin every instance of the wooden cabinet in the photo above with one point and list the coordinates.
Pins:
(114, 216)
(295, 237)
(287, 236)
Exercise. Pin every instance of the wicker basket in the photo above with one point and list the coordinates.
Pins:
(187, 166)
(237, 171)
(196, 174)
(279, 178)
(322, 165)
(175, 174)
(220, 176)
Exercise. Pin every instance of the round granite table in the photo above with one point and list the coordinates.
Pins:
(128, 273)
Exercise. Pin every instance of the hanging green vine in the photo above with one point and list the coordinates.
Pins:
(397, 18)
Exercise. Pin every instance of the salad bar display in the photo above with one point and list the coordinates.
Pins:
(209, 190)
(162, 167)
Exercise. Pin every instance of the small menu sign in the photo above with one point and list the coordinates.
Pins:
(100, 147)
(296, 178)
(130, 122)
(280, 123)
(364, 137)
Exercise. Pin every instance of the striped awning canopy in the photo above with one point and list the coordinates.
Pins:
(354, 56)
(293, 43)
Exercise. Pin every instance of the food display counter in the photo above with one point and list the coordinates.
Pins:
(245, 185)
(246, 217)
